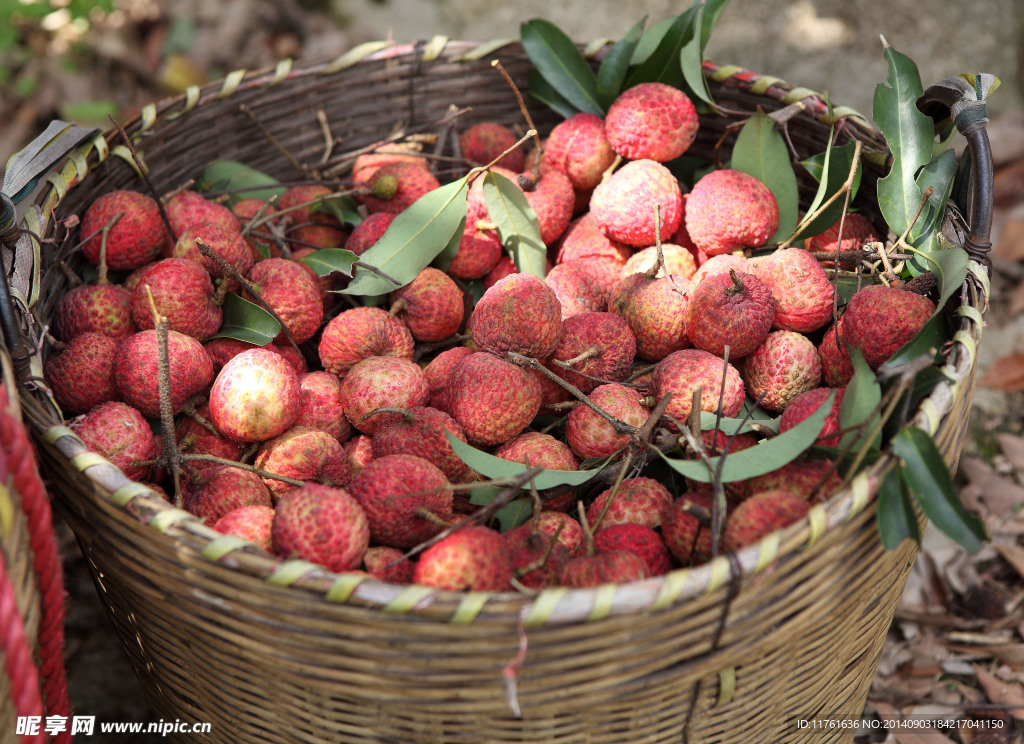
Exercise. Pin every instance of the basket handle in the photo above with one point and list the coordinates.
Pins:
(962, 98)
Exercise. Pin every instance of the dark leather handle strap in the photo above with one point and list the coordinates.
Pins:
(963, 100)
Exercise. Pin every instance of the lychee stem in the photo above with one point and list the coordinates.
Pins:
(588, 353)
(542, 560)
(186, 458)
(535, 172)
(611, 168)
(398, 306)
(405, 413)
(73, 279)
(844, 190)
(190, 411)
(101, 276)
(737, 284)
(588, 533)
(260, 214)
(145, 177)
(660, 260)
(170, 445)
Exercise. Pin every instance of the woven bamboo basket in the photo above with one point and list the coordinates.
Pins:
(266, 650)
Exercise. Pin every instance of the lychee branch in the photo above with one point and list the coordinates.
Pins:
(535, 172)
(272, 139)
(101, 277)
(145, 177)
(171, 454)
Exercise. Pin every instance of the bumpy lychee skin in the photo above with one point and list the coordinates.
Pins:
(359, 333)
(552, 200)
(288, 288)
(542, 450)
(195, 439)
(431, 305)
(836, 364)
(879, 320)
(655, 310)
(321, 406)
(359, 452)
(579, 148)
(639, 539)
(138, 237)
(245, 211)
(222, 350)
(807, 403)
(410, 180)
(387, 564)
(583, 240)
(95, 308)
(380, 382)
(761, 515)
(784, 366)
(624, 204)
(474, 558)
(538, 551)
(653, 121)
(519, 314)
(305, 455)
(421, 432)
(119, 432)
(321, 524)
(479, 251)
(186, 208)
(438, 372)
(729, 210)
(493, 400)
(393, 490)
(611, 567)
(82, 375)
(682, 372)
(225, 242)
(252, 523)
(575, 288)
(677, 261)
(255, 397)
(183, 293)
(135, 371)
(368, 232)
(396, 152)
(589, 435)
(222, 489)
(857, 230)
(730, 310)
(811, 480)
(684, 534)
(485, 141)
(722, 264)
(638, 500)
(802, 290)
(605, 343)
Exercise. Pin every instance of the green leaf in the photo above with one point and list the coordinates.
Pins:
(615, 65)
(342, 208)
(712, 10)
(444, 258)
(239, 180)
(691, 61)
(651, 40)
(247, 321)
(560, 63)
(762, 152)
(328, 260)
(516, 223)
(490, 466)
(662, 66)
(840, 160)
(895, 519)
(762, 458)
(730, 426)
(514, 514)
(939, 175)
(860, 401)
(414, 239)
(909, 134)
(542, 90)
(927, 475)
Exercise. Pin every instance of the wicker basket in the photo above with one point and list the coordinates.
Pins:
(738, 650)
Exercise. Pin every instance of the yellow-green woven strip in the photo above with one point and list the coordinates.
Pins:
(167, 519)
(726, 685)
(60, 183)
(434, 47)
(763, 83)
(838, 112)
(604, 599)
(672, 585)
(81, 162)
(484, 50)
(798, 94)
(51, 435)
(719, 570)
(818, 520)
(725, 72)
(102, 149)
(86, 460)
(861, 489)
(125, 154)
(969, 311)
(289, 572)
(596, 46)
(543, 605)
(469, 607)
(6, 512)
(31, 217)
(129, 491)
(191, 99)
(981, 274)
(768, 552)
(408, 599)
(281, 71)
(147, 117)
(354, 55)
(932, 413)
(343, 586)
(968, 341)
(231, 82)
(221, 546)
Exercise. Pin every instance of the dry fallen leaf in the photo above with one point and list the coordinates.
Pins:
(1002, 693)
(1014, 555)
(1012, 446)
(1011, 654)
(1005, 373)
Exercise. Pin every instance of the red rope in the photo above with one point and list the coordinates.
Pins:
(46, 563)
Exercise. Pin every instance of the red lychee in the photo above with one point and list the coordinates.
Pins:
(611, 567)
(653, 121)
(368, 232)
(596, 345)
(677, 261)
(811, 480)
(222, 350)
(684, 534)
(438, 372)
(252, 523)
(222, 489)
(761, 515)
(857, 231)
(359, 451)
(836, 364)
(802, 290)
(396, 186)
(493, 400)
(539, 559)
(721, 264)
(137, 378)
(730, 310)
(255, 397)
(82, 375)
(387, 564)
(186, 208)
(729, 210)
(431, 305)
(305, 455)
(381, 382)
(879, 320)
(638, 500)
(225, 242)
(485, 141)
(288, 288)
(682, 372)
(579, 148)
(94, 308)
(552, 200)
(183, 293)
(321, 524)
(582, 240)
(396, 152)
(804, 404)
(655, 310)
(575, 288)
(639, 539)
(623, 205)
(474, 558)
(536, 449)
(520, 314)
(781, 368)
(589, 435)
(120, 433)
(321, 407)
(421, 431)
(138, 236)
(362, 332)
(478, 253)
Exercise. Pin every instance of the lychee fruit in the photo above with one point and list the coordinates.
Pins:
(688, 539)
(137, 378)
(804, 404)
(138, 237)
(292, 293)
(879, 320)
(651, 121)
(395, 152)
(255, 397)
(677, 261)
(479, 251)
(183, 293)
(535, 449)
(321, 406)
(505, 267)
(359, 333)
(225, 242)
(836, 364)
(94, 308)
(381, 382)
(729, 210)
(493, 400)
(368, 232)
(539, 559)
(306, 455)
(596, 345)
(520, 314)
(81, 376)
(195, 438)
(321, 524)
(575, 288)
(589, 435)
(857, 232)
(475, 558)
(811, 480)
(638, 500)
(639, 539)
(781, 368)
(579, 148)
(397, 492)
(655, 310)
(222, 489)
(730, 310)
(396, 186)
(421, 431)
(223, 349)
(760, 515)
(552, 200)
(721, 264)
(388, 564)
(431, 305)
(438, 372)
(119, 432)
(483, 142)
(682, 372)
(623, 205)
(291, 355)
(802, 290)
(610, 567)
(583, 240)
(187, 207)
(359, 452)
(252, 523)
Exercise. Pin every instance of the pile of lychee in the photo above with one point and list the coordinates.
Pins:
(328, 444)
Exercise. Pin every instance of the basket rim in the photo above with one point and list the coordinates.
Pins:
(557, 605)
